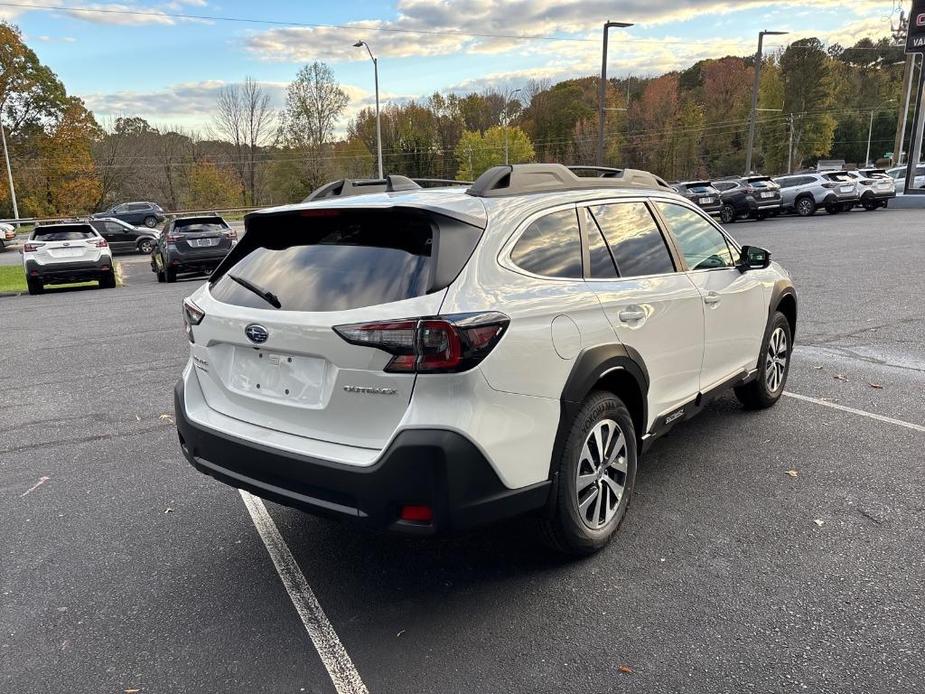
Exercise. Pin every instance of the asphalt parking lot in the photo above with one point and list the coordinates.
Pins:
(122, 569)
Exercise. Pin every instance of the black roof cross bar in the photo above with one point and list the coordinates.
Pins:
(520, 179)
(348, 187)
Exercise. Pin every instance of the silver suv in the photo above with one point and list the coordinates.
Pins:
(804, 193)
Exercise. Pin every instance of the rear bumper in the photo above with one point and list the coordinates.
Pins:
(63, 273)
(428, 467)
(195, 263)
(879, 196)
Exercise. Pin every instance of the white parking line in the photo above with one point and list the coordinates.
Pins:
(343, 674)
(870, 415)
(42, 480)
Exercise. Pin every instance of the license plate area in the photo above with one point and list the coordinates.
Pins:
(846, 189)
(203, 243)
(278, 376)
(706, 201)
(767, 195)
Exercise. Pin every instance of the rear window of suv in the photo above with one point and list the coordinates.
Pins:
(64, 233)
(336, 260)
(197, 226)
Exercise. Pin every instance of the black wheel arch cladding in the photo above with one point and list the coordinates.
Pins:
(589, 368)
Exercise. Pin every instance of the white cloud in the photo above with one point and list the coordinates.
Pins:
(451, 27)
(115, 13)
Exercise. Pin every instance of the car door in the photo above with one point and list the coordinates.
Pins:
(651, 306)
(735, 309)
(122, 237)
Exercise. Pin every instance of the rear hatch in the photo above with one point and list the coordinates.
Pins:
(201, 236)
(267, 351)
(66, 243)
(842, 183)
(763, 188)
(702, 192)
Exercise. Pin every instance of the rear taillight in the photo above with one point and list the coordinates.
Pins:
(192, 315)
(750, 190)
(173, 238)
(442, 344)
(230, 234)
(98, 243)
(867, 182)
(31, 247)
(830, 185)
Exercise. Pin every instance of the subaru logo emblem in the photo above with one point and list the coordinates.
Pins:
(256, 333)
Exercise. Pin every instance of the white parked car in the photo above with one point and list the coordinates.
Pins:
(875, 188)
(64, 254)
(7, 234)
(431, 360)
(898, 174)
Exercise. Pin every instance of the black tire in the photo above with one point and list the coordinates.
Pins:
(805, 207)
(108, 282)
(35, 286)
(150, 222)
(170, 275)
(145, 246)
(160, 276)
(884, 204)
(759, 393)
(727, 214)
(568, 528)
(832, 208)
(761, 215)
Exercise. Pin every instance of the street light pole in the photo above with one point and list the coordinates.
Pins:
(507, 117)
(9, 171)
(753, 115)
(603, 91)
(360, 44)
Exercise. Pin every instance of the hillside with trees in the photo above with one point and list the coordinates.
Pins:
(685, 124)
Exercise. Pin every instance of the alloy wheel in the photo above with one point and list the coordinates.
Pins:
(601, 475)
(776, 360)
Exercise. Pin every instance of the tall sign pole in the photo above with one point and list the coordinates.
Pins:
(915, 43)
(602, 98)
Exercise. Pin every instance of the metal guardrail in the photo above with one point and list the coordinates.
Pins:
(71, 218)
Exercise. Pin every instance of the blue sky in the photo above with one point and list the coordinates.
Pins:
(168, 68)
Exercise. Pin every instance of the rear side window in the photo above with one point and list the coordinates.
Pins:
(701, 243)
(64, 233)
(326, 260)
(551, 246)
(634, 239)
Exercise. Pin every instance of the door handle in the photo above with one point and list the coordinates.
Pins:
(711, 299)
(631, 315)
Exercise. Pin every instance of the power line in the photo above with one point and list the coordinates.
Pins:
(271, 22)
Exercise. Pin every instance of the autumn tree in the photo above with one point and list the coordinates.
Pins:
(809, 90)
(211, 188)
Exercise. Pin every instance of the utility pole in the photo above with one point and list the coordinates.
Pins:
(602, 98)
(870, 129)
(9, 171)
(753, 115)
(507, 117)
(790, 145)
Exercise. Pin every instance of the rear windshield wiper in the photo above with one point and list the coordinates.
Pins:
(264, 294)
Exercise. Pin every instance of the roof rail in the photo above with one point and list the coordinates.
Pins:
(518, 179)
(348, 187)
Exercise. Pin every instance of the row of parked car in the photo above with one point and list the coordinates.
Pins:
(82, 250)
(758, 197)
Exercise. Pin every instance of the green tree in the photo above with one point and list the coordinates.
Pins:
(476, 152)
(212, 188)
(809, 91)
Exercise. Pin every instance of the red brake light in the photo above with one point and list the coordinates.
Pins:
(443, 344)
(417, 514)
(31, 247)
(830, 185)
(230, 234)
(99, 243)
(173, 238)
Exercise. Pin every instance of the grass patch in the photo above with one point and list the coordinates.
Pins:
(13, 279)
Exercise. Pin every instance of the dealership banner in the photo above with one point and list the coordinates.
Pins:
(915, 40)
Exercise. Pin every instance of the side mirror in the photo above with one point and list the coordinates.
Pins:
(754, 258)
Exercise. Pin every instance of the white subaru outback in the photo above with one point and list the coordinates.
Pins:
(426, 360)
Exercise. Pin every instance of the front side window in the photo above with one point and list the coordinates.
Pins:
(701, 243)
(551, 246)
(635, 241)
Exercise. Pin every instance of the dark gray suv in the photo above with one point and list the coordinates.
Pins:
(148, 213)
(191, 245)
